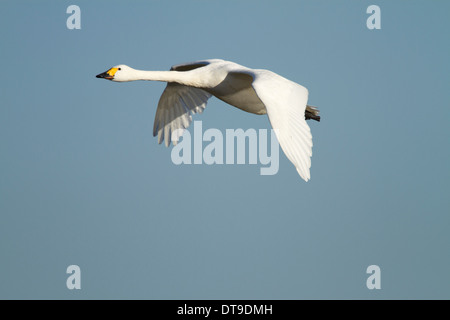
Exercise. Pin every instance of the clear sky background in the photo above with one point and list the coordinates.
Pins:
(83, 181)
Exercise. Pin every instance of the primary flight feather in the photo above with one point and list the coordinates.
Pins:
(190, 85)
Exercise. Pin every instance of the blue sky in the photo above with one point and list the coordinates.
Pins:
(84, 182)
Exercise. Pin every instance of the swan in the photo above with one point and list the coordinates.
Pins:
(190, 85)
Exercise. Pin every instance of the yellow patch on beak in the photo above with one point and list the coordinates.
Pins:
(112, 71)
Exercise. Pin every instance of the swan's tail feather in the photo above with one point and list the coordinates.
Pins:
(312, 113)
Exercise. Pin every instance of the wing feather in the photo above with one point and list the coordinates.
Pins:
(285, 102)
(175, 109)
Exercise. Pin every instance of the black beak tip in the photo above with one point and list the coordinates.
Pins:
(104, 75)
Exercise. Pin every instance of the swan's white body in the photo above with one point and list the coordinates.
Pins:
(257, 91)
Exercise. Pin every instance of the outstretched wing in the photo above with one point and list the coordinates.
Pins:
(175, 109)
(285, 102)
(177, 105)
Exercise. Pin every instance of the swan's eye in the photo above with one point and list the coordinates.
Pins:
(120, 68)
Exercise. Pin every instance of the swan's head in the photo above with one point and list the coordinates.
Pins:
(118, 73)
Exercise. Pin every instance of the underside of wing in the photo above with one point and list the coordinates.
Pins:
(285, 102)
(175, 109)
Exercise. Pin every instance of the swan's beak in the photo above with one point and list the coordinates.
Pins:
(104, 75)
(107, 74)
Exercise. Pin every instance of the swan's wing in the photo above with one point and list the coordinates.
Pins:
(175, 108)
(285, 102)
(193, 65)
(178, 103)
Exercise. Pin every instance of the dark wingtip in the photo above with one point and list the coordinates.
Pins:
(309, 116)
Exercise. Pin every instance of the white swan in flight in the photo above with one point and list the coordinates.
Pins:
(190, 85)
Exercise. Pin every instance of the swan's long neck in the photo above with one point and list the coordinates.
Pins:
(166, 76)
